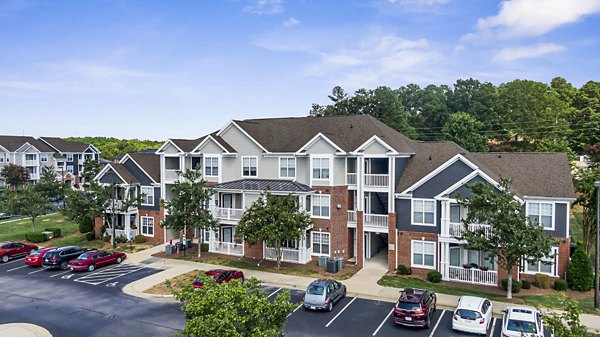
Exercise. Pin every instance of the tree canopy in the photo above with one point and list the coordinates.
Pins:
(111, 148)
(27, 201)
(14, 176)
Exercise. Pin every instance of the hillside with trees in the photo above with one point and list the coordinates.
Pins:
(111, 148)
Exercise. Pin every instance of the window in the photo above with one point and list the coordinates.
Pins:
(147, 226)
(320, 168)
(545, 266)
(172, 163)
(79, 156)
(70, 168)
(2, 155)
(320, 205)
(320, 243)
(211, 166)
(423, 254)
(69, 157)
(287, 167)
(455, 214)
(60, 164)
(147, 195)
(249, 166)
(30, 157)
(541, 212)
(423, 212)
(44, 157)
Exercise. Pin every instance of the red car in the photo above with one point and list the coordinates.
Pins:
(415, 307)
(220, 275)
(9, 250)
(98, 258)
(36, 258)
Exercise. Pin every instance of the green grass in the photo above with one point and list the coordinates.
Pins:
(76, 240)
(412, 282)
(16, 230)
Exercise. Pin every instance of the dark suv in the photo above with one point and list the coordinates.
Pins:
(59, 258)
(415, 307)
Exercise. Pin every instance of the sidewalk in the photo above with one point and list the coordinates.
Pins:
(363, 284)
(23, 330)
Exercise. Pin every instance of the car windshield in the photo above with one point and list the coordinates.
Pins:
(38, 252)
(50, 255)
(408, 306)
(315, 290)
(521, 326)
(84, 256)
(468, 314)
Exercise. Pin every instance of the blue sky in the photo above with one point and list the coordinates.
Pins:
(179, 69)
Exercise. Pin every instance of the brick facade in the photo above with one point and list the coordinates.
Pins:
(392, 234)
(404, 247)
(564, 251)
(254, 251)
(341, 244)
(360, 239)
(159, 233)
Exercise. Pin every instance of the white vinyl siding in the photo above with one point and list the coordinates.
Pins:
(423, 254)
(148, 226)
(147, 195)
(320, 206)
(287, 167)
(423, 212)
(320, 243)
(249, 166)
(542, 213)
(44, 157)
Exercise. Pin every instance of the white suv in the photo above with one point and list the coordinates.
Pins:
(521, 321)
(473, 314)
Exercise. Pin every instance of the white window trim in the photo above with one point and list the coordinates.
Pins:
(142, 226)
(287, 167)
(412, 255)
(2, 157)
(212, 156)
(328, 180)
(554, 265)
(412, 213)
(70, 155)
(146, 195)
(250, 176)
(543, 202)
(69, 168)
(312, 240)
(312, 205)
(44, 157)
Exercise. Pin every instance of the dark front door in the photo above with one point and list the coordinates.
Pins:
(227, 234)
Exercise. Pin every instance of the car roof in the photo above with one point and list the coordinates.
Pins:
(322, 281)
(213, 272)
(470, 302)
(65, 247)
(412, 295)
(521, 313)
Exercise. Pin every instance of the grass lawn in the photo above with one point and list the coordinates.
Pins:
(176, 283)
(16, 230)
(75, 239)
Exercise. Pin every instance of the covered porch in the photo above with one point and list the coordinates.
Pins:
(293, 251)
(467, 266)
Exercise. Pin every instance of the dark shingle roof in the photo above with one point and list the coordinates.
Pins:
(124, 173)
(263, 185)
(65, 145)
(187, 145)
(348, 132)
(149, 162)
(12, 143)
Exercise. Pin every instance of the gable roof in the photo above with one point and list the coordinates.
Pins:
(264, 185)
(149, 162)
(63, 145)
(121, 171)
(13, 143)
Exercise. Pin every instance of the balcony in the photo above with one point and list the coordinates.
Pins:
(350, 178)
(352, 219)
(230, 214)
(457, 229)
(118, 207)
(299, 255)
(377, 180)
(34, 176)
(473, 276)
(171, 175)
(376, 221)
(227, 248)
(32, 163)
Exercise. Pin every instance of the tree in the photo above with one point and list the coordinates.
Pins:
(188, 209)
(587, 198)
(513, 236)
(49, 186)
(91, 168)
(580, 274)
(14, 176)
(233, 309)
(479, 100)
(89, 203)
(27, 202)
(465, 130)
(111, 148)
(565, 323)
(273, 219)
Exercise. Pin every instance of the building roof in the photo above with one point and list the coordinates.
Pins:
(65, 145)
(124, 173)
(12, 143)
(263, 185)
(187, 145)
(149, 162)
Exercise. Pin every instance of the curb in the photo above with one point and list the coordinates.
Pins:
(23, 330)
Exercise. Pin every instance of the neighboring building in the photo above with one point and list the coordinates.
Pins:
(69, 156)
(136, 174)
(370, 190)
(28, 152)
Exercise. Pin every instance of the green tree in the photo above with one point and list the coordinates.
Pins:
(49, 186)
(89, 203)
(587, 196)
(26, 201)
(111, 148)
(233, 309)
(479, 100)
(465, 130)
(580, 273)
(274, 220)
(14, 176)
(513, 237)
(189, 208)
(567, 322)
(586, 120)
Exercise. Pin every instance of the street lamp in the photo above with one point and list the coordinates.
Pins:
(597, 261)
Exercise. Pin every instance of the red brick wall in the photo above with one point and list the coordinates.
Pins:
(159, 233)
(360, 239)
(392, 240)
(337, 224)
(404, 249)
(564, 251)
(253, 252)
(97, 226)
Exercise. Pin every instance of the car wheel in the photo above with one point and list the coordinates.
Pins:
(5, 258)
(31, 251)
(428, 323)
(63, 265)
(344, 294)
(330, 306)
(91, 267)
(119, 260)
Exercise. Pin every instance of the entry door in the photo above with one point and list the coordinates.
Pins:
(367, 244)
(355, 243)
(227, 234)
(227, 201)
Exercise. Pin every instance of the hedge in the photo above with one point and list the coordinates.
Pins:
(434, 276)
(542, 281)
(36, 237)
(516, 285)
(90, 236)
(86, 226)
(580, 273)
(139, 239)
(526, 284)
(560, 285)
(204, 247)
(56, 232)
(404, 270)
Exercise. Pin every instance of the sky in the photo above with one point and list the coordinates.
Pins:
(180, 69)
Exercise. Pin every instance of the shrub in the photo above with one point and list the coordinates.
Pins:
(526, 284)
(516, 285)
(404, 270)
(56, 232)
(542, 281)
(121, 239)
(204, 248)
(139, 239)
(90, 236)
(36, 237)
(86, 226)
(434, 276)
(106, 238)
(580, 273)
(560, 285)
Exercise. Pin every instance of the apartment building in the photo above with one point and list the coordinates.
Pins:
(370, 190)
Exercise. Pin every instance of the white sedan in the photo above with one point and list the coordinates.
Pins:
(522, 321)
(473, 314)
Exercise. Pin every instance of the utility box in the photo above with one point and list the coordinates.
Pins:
(340, 263)
(188, 243)
(332, 266)
(168, 249)
(322, 261)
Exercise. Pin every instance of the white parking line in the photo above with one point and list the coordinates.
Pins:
(383, 322)
(55, 275)
(37, 271)
(438, 323)
(298, 307)
(493, 326)
(25, 266)
(99, 278)
(13, 261)
(273, 293)
(339, 313)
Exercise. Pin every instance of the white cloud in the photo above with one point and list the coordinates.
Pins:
(96, 71)
(291, 22)
(517, 53)
(419, 2)
(518, 18)
(266, 7)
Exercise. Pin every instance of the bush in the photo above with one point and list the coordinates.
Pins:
(434, 276)
(560, 285)
(580, 273)
(542, 281)
(526, 284)
(516, 285)
(106, 238)
(121, 239)
(139, 239)
(36, 237)
(86, 226)
(204, 248)
(404, 270)
(56, 232)
(90, 236)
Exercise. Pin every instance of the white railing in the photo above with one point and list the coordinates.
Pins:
(34, 176)
(118, 206)
(228, 248)
(171, 175)
(350, 178)
(377, 180)
(300, 255)
(32, 163)
(473, 275)
(352, 216)
(376, 220)
(457, 229)
(227, 213)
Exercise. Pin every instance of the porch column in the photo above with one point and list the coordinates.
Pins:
(444, 260)
(445, 217)
(360, 239)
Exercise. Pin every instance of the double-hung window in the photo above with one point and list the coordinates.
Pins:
(423, 254)
(249, 166)
(211, 166)
(545, 266)
(423, 212)
(70, 168)
(69, 157)
(44, 157)
(287, 167)
(147, 195)
(320, 243)
(541, 212)
(320, 168)
(2, 155)
(147, 226)
(320, 205)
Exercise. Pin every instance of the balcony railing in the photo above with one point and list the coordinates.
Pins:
(118, 206)
(376, 220)
(32, 163)
(228, 248)
(300, 255)
(352, 216)
(473, 276)
(377, 180)
(171, 175)
(457, 229)
(351, 178)
(223, 213)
